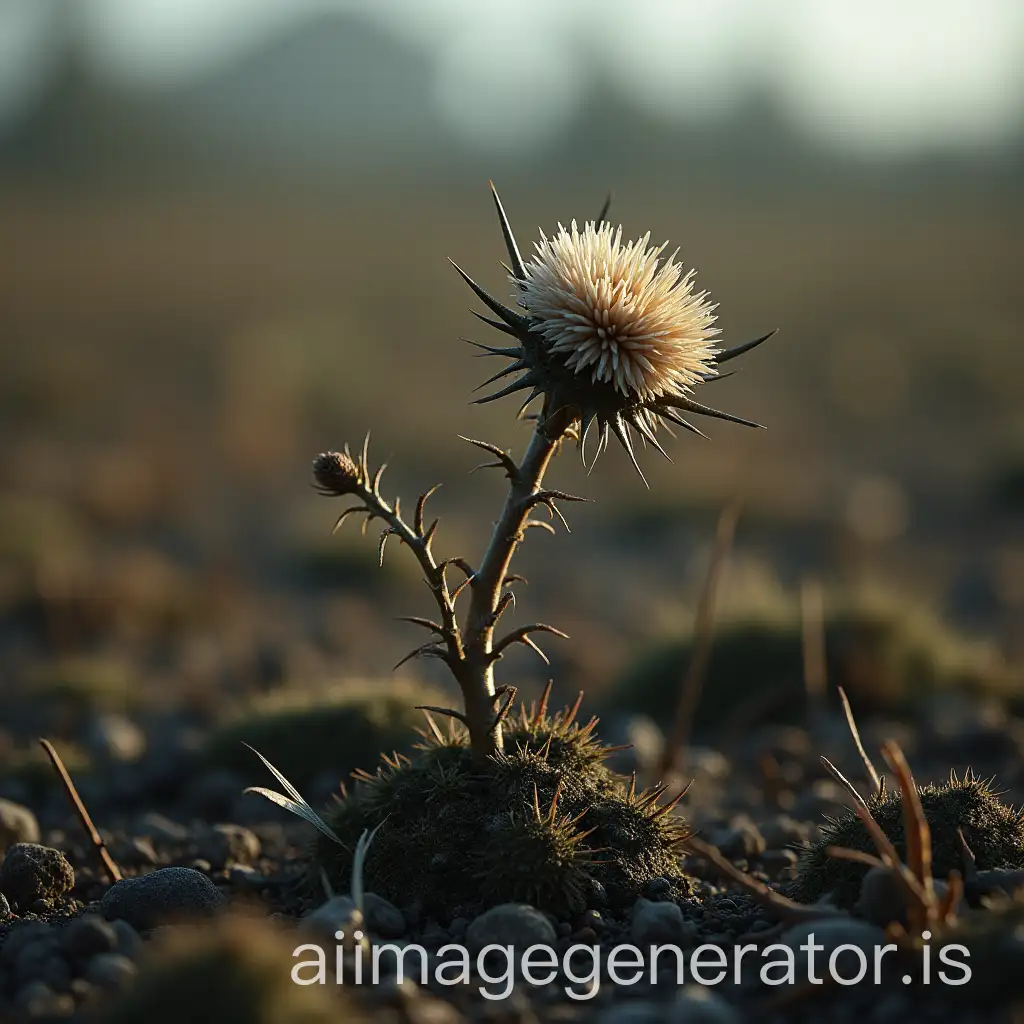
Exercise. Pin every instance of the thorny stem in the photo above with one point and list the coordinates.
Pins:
(419, 542)
(470, 653)
(477, 675)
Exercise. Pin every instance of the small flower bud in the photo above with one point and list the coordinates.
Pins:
(336, 473)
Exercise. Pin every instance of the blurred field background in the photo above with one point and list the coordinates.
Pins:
(225, 229)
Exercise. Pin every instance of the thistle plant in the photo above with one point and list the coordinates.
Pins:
(609, 337)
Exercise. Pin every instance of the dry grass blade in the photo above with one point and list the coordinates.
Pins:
(915, 824)
(693, 681)
(843, 781)
(113, 871)
(916, 897)
(876, 780)
(783, 908)
(951, 900)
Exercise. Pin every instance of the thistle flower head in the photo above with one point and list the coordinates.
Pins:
(336, 473)
(611, 334)
(619, 315)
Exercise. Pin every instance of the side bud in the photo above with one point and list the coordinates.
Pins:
(336, 473)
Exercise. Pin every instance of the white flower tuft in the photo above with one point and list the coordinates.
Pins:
(619, 313)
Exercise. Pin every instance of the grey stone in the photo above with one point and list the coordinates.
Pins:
(21, 934)
(774, 861)
(30, 872)
(783, 832)
(37, 999)
(161, 896)
(129, 941)
(338, 914)
(740, 839)
(17, 825)
(659, 923)
(136, 852)
(381, 919)
(115, 738)
(88, 935)
(29, 959)
(110, 970)
(831, 933)
(883, 898)
(510, 924)
(163, 830)
(229, 844)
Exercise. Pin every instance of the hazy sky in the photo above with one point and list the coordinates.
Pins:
(877, 76)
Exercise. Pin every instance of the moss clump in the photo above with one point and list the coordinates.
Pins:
(237, 970)
(994, 832)
(545, 822)
(883, 653)
(305, 736)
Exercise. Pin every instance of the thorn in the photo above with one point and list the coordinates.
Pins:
(524, 382)
(540, 524)
(486, 350)
(572, 712)
(510, 316)
(554, 802)
(511, 368)
(681, 402)
(431, 650)
(738, 350)
(502, 714)
(497, 325)
(534, 646)
(542, 706)
(673, 417)
(603, 215)
(621, 431)
(517, 269)
(438, 735)
(420, 505)
(505, 459)
(418, 620)
(344, 515)
(447, 712)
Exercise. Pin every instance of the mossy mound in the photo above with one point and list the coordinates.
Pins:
(885, 654)
(545, 823)
(304, 736)
(994, 832)
(236, 970)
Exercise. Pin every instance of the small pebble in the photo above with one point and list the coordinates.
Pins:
(510, 924)
(110, 970)
(88, 935)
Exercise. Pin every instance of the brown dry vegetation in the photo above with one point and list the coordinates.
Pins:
(169, 364)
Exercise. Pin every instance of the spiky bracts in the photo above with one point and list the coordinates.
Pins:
(610, 335)
(993, 830)
(545, 822)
